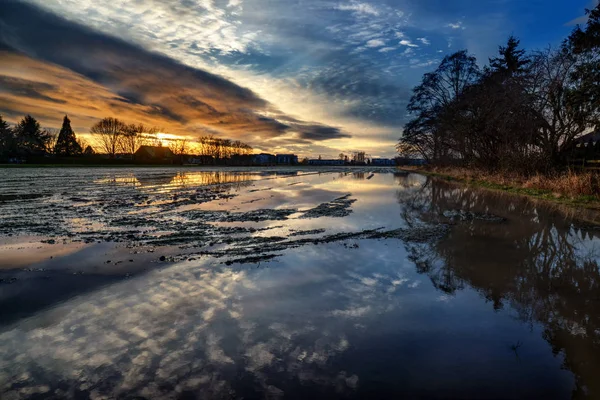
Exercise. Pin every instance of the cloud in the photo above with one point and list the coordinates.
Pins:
(320, 132)
(584, 18)
(88, 74)
(375, 43)
(455, 25)
(28, 89)
(359, 8)
(405, 42)
(308, 59)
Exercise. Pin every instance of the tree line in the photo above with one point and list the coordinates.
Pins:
(27, 139)
(110, 136)
(113, 136)
(522, 111)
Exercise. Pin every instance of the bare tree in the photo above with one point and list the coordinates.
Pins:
(179, 147)
(562, 116)
(136, 135)
(52, 134)
(108, 134)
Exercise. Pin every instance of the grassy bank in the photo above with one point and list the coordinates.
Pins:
(570, 188)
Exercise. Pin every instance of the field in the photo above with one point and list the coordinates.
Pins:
(276, 282)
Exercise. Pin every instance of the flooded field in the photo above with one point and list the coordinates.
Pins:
(283, 283)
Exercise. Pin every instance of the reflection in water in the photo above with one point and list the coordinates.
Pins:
(176, 179)
(179, 179)
(504, 306)
(540, 264)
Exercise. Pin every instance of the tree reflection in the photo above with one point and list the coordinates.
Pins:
(531, 258)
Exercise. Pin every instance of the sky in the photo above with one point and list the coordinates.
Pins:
(311, 77)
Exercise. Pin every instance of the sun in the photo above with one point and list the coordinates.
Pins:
(166, 136)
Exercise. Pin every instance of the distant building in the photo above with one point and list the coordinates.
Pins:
(264, 159)
(383, 161)
(288, 159)
(326, 162)
(241, 159)
(154, 155)
(410, 161)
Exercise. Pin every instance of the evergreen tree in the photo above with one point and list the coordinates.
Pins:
(584, 44)
(30, 139)
(512, 60)
(67, 145)
(7, 140)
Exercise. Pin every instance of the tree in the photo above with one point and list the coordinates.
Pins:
(179, 147)
(136, 135)
(584, 43)
(492, 124)
(512, 60)
(7, 140)
(562, 109)
(66, 144)
(30, 139)
(108, 133)
(437, 91)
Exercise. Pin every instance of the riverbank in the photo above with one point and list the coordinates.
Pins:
(571, 189)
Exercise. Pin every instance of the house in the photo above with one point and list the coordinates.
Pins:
(154, 155)
(288, 159)
(383, 161)
(264, 159)
(591, 137)
(326, 162)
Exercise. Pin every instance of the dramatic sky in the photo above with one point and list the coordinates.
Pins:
(306, 76)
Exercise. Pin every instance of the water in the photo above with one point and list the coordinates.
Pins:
(318, 283)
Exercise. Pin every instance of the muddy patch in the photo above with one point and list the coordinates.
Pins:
(338, 208)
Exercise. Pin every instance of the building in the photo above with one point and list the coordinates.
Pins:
(241, 159)
(326, 162)
(410, 161)
(154, 155)
(383, 161)
(264, 159)
(591, 137)
(288, 159)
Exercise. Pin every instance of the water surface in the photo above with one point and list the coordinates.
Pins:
(276, 283)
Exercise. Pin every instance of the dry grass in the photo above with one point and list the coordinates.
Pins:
(567, 184)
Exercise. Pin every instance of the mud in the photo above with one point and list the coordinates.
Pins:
(148, 209)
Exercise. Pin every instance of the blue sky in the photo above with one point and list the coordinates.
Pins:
(308, 76)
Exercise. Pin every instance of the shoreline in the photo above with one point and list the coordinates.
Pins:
(585, 202)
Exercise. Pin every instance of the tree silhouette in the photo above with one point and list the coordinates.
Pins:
(512, 60)
(524, 113)
(30, 139)
(67, 144)
(136, 135)
(7, 140)
(432, 98)
(109, 133)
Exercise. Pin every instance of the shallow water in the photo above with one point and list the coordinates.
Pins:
(277, 283)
